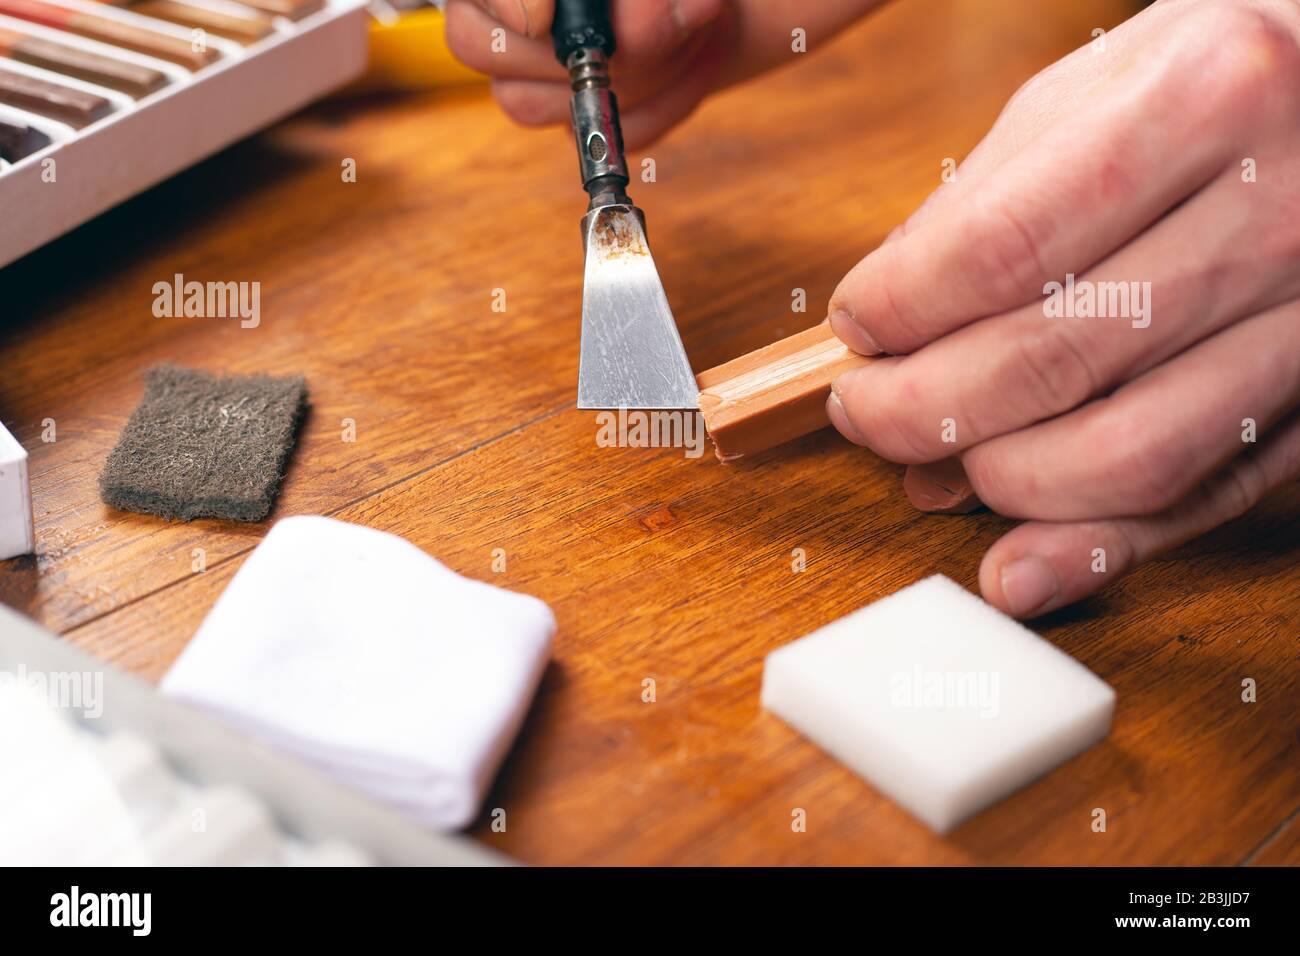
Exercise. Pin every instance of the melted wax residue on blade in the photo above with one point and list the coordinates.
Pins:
(618, 233)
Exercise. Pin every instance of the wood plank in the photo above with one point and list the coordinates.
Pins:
(658, 566)
(678, 570)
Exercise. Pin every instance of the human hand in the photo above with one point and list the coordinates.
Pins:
(1168, 163)
(671, 53)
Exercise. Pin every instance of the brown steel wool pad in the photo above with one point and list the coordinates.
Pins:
(199, 446)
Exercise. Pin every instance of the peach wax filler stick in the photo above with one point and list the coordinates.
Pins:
(775, 394)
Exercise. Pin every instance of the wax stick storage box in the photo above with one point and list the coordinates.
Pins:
(99, 101)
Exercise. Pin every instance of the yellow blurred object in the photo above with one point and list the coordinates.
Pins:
(411, 54)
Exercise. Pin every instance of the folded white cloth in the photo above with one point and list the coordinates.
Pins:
(355, 651)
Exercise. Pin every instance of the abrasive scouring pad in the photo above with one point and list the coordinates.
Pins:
(202, 446)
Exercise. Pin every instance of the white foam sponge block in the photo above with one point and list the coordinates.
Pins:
(939, 700)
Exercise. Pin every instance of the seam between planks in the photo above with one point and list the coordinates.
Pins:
(1273, 836)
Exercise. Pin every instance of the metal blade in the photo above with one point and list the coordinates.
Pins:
(632, 355)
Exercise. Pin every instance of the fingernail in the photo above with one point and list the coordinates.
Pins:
(1028, 584)
(940, 487)
(851, 334)
(840, 419)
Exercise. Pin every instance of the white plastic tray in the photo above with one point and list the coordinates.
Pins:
(143, 142)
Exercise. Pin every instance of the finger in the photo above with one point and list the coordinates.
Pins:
(527, 18)
(1039, 567)
(532, 102)
(649, 32)
(1056, 207)
(1202, 264)
(1041, 102)
(471, 38)
(941, 488)
(544, 103)
(1148, 444)
(649, 119)
(1046, 98)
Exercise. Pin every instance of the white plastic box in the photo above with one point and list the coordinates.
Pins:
(143, 142)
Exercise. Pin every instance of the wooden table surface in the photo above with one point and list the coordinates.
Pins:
(657, 566)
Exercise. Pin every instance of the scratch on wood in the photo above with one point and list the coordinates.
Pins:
(658, 519)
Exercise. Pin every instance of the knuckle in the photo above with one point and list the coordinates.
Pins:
(1149, 474)
(1281, 243)
(1124, 552)
(1248, 478)
(1010, 244)
(1027, 94)
(1007, 491)
(1240, 488)
(1052, 373)
(1275, 225)
(1253, 55)
(901, 329)
(889, 421)
(536, 18)
(872, 293)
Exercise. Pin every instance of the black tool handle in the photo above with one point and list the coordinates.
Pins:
(581, 25)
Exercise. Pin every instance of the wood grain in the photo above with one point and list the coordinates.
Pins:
(658, 566)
